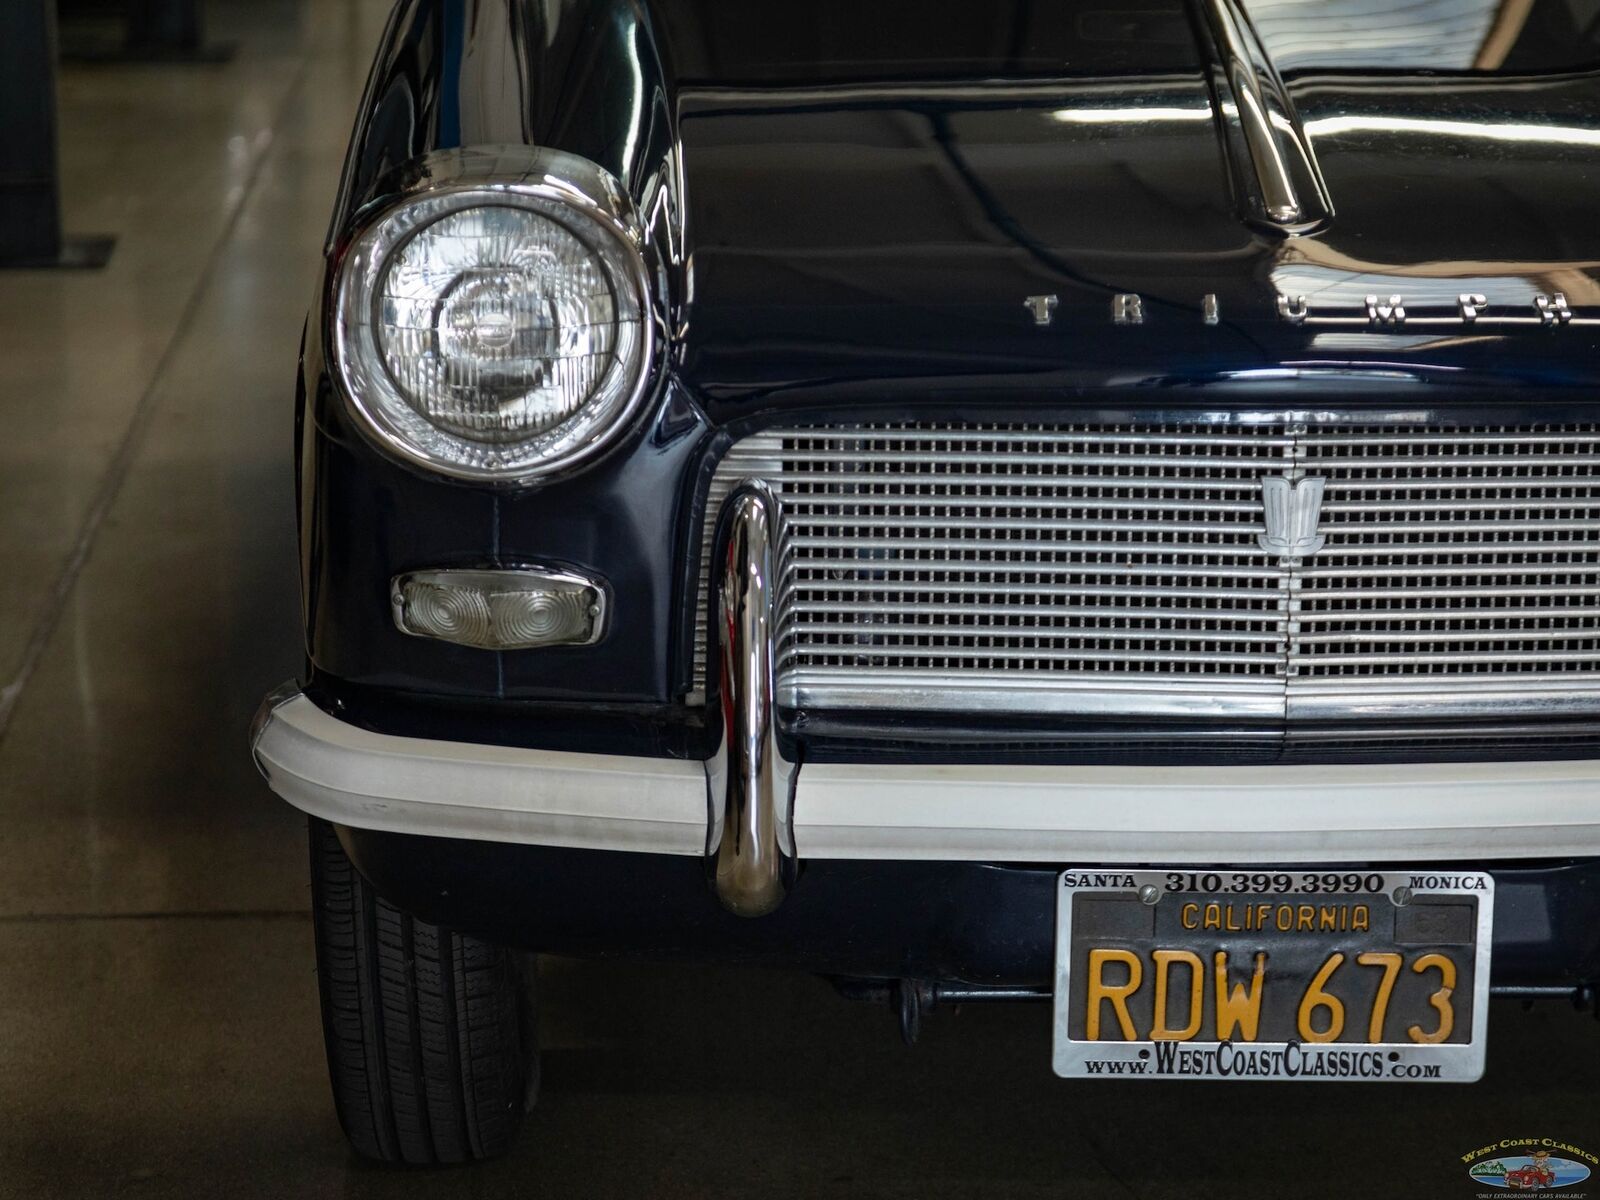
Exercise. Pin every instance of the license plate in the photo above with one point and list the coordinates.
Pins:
(1267, 974)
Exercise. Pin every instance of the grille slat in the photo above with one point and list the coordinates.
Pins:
(1370, 528)
(956, 486)
(993, 524)
(1193, 591)
(977, 655)
(1209, 549)
(1084, 568)
(1376, 637)
(1011, 459)
(1464, 593)
(1496, 504)
(869, 503)
(1475, 658)
(1498, 615)
(1042, 610)
(1039, 635)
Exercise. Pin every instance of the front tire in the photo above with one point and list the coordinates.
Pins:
(430, 1048)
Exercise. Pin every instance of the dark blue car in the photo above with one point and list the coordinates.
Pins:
(983, 502)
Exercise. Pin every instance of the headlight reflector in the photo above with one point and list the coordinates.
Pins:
(494, 333)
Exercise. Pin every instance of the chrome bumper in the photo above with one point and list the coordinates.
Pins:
(752, 814)
(1410, 812)
(352, 776)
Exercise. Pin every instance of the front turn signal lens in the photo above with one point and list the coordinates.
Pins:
(514, 609)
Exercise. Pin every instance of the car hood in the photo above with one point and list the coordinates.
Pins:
(867, 211)
(862, 201)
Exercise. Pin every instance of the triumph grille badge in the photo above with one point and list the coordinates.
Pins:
(1293, 508)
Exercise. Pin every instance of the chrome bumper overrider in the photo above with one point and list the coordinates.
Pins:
(750, 785)
(754, 816)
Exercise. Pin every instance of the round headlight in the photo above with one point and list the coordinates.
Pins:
(494, 333)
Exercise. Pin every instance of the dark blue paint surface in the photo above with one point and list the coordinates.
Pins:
(851, 207)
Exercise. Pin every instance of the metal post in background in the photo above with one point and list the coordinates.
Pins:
(30, 190)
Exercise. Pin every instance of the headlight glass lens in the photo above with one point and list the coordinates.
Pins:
(496, 323)
(492, 335)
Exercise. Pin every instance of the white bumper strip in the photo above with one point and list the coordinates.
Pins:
(1412, 812)
(332, 769)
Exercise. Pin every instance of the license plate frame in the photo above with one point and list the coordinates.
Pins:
(1076, 1056)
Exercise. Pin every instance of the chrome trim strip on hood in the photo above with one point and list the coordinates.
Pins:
(1289, 195)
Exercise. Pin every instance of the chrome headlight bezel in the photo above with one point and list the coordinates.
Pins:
(588, 203)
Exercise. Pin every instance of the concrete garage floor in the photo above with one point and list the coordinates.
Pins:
(158, 1027)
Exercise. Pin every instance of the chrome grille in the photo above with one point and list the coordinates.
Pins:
(1101, 568)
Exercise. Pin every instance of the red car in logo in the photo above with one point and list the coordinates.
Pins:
(1534, 1175)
